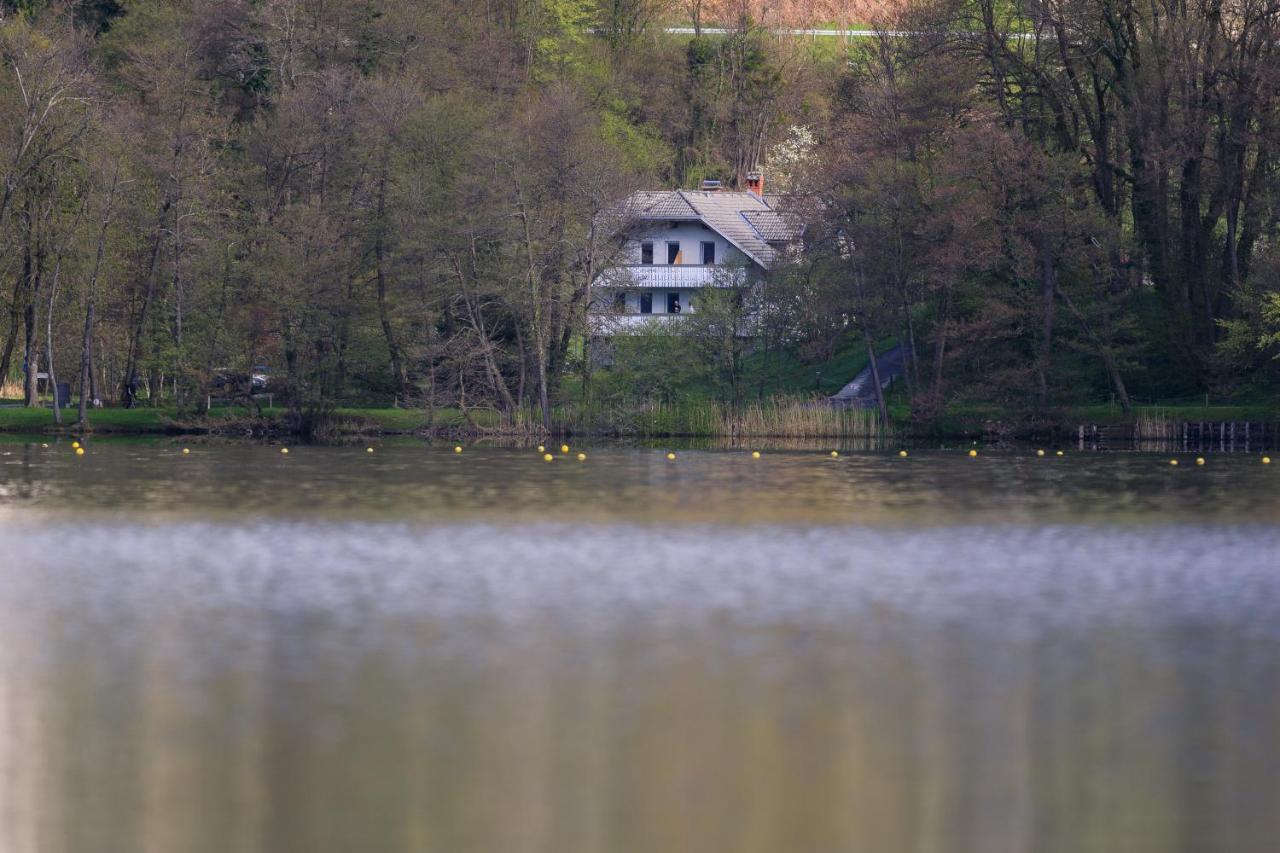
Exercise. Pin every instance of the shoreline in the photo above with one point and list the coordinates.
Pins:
(1191, 427)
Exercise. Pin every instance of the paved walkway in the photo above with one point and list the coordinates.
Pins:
(861, 392)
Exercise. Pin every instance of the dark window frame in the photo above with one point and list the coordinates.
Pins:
(673, 256)
(646, 302)
(708, 251)
(673, 302)
(646, 252)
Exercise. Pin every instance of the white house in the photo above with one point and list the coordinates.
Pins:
(680, 242)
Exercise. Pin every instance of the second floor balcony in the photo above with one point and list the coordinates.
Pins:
(673, 276)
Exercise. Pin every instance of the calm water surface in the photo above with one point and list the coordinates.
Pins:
(238, 650)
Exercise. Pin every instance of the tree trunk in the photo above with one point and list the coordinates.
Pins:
(393, 346)
(140, 324)
(940, 348)
(48, 346)
(881, 406)
(15, 315)
(536, 310)
(864, 317)
(1104, 351)
(87, 383)
(1048, 286)
(31, 353)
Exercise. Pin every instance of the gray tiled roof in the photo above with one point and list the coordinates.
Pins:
(647, 204)
(772, 226)
(744, 219)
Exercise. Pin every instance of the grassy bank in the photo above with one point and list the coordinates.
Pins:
(794, 416)
(791, 417)
(161, 420)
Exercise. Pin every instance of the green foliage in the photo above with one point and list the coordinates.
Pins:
(384, 200)
(641, 147)
(663, 367)
(559, 31)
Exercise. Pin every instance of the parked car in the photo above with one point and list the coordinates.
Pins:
(227, 380)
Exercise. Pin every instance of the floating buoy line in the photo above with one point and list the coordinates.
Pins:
(79, 450)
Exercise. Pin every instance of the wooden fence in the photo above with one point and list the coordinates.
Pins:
(1160, 434)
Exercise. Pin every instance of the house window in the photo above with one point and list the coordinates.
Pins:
(673, 302)
(673, 253)
(646, 253)
(646, 302)
(708, 252)
(620, 301)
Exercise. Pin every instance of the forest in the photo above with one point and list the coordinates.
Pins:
(1046, 203)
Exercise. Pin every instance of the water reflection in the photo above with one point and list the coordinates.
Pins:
(421, 482)
(543, 657)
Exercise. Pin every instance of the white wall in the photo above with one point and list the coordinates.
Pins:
(690, 236)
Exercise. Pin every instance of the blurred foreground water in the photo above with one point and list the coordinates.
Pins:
(238, 650)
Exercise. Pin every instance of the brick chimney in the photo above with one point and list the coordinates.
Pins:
(755, 183)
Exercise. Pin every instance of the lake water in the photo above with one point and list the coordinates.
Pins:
(239, 650)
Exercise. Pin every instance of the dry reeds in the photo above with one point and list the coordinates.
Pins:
(1155, 425)
(789, 418)
(782, 417)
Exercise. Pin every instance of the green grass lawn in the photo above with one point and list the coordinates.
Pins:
(773, 373)
(766, 375)
(162, 419)
(21, 419)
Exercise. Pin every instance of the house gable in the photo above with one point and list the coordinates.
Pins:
(746, 221)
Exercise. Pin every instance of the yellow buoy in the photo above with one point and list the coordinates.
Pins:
(541, 449)
(1199, 460)
(1039, 453)
(185, 451)
(973, 453)
(755, 454)
(75, 445)
(547, 457)
(457, 448)
(902, 453)
(582, 457)
(1173, 461)
(1059, 452)
(670, 455)
(284, 450)
(564, 448)
(368, 450)
(79, 451)
(1266, 460)
(835, 453)
(44, 445)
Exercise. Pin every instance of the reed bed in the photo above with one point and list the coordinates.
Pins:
(790, 418)
(783, 417)
(1155, 425)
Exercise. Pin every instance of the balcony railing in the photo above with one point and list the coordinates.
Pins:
(673, 276)
(608, 325)
(630, 324)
